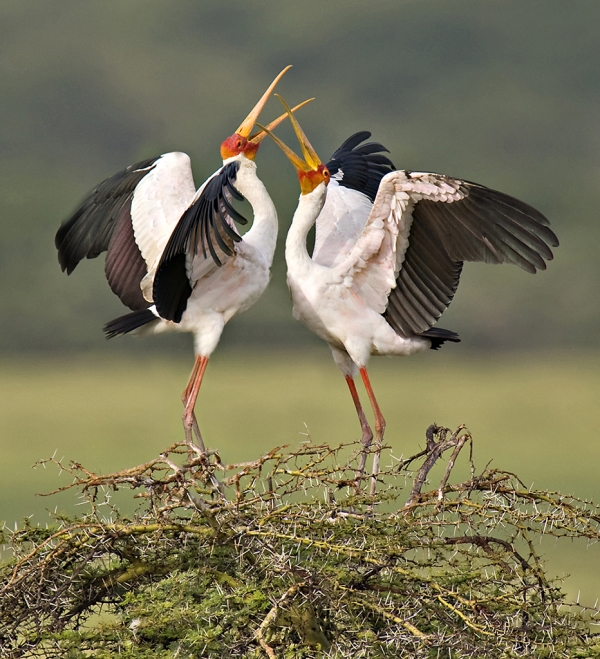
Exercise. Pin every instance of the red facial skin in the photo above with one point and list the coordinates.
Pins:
(237, 144)
(311, 179)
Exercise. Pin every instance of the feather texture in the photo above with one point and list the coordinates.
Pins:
(455, 221)
(87, 233)
(356, 170)
(125, 267)
(206, 227)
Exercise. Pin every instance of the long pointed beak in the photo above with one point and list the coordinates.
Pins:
(311, 160)
(257, 138)
(310, 155)
(248, 124)
(296, 161)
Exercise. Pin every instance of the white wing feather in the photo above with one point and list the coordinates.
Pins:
(159, 200)
(372, 265)
(340, 223)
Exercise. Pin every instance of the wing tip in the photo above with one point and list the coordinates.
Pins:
(128, 323)
(438, 336)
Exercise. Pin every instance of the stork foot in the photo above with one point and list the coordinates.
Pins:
(366, 441)
(199, 441)
(376, 457)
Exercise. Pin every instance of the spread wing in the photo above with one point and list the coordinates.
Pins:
(159, 201)
(204, 239)
(407, 262)
(356, 171)
(102, 222)
(130, 216)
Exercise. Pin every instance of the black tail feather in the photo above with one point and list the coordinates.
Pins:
(128, 323)
(437, 336)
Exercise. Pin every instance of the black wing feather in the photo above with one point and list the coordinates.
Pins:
(87, 233)
(125, 267)
(205, 226)
(129, 323)
(360, 167)
(486, 225)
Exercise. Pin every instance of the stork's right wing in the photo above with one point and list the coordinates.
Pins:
(130, 216)
(455, 221)
(356, 171)
(407, 262)
(422, 227)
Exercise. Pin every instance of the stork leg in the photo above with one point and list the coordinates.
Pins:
(190, 394)
(367, 433)
(190, 423)
(379, 428)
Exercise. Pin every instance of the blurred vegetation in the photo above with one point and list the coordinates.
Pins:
(502, 92)
(287, 556)
(536, 417)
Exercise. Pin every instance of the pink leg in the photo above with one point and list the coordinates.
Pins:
(185, 398)
(379, 428)
(189, 401)
(367, 433)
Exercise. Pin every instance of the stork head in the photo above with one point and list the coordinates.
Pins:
(311, 171)
(241, 142)
(236, 144)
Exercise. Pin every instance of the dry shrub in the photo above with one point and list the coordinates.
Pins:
(288, 556)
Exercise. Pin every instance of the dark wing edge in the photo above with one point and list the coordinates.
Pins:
(486, 226)
(360, 166)
(438, 336)
(87, 233)
(102, 223)
(207, 225)
(129, 323)
(425, 285)
(125, 266)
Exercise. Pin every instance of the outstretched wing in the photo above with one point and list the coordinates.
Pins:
(130, 216)
(159, 201)
(422, 227)
(203, 240)
(356, 171)
(103, 221)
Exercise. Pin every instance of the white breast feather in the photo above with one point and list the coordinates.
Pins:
(340, 223)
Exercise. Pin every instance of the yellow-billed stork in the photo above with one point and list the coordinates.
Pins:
(389, 249)
(173, 254)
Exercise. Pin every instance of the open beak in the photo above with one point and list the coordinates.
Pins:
(248, 124)
(258, 137)
(311, 160)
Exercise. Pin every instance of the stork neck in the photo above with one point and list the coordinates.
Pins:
(263, 233)
(306, 214)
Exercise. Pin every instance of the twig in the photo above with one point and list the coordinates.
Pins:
(271, 617)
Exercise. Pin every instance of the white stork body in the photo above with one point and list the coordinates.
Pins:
(218, 292)
(340, 305)
(174, 255)
(135, 214)
(388, 253)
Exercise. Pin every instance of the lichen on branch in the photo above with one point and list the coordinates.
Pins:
(288, 556)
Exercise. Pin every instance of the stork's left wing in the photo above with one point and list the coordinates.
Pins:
(422, 227)
(203, 239)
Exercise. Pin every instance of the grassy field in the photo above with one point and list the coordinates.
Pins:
(535, 415)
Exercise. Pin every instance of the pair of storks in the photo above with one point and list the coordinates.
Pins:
(389, 249)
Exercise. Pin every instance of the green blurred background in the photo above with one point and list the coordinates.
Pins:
(505, 93)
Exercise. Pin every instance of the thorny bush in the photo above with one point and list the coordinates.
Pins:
(289, 556)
